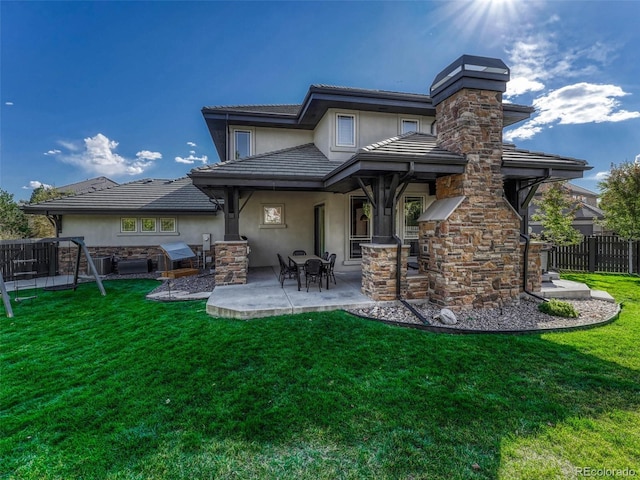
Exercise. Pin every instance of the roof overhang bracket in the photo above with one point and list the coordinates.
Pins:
(366, 192)
(530, 188)
(246, 201)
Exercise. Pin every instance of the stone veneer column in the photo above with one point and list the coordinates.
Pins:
(379, 270)
(534, 267)
(473, 257)
(232, 262)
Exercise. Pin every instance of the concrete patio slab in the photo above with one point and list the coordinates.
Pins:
(263, 296)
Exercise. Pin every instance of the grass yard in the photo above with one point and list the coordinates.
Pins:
(118, 387)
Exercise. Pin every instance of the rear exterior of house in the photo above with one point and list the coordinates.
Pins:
(378, 177)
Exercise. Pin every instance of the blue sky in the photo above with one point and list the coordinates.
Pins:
(116, 88)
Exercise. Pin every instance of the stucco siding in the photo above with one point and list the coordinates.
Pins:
(273, 139)
(104, 230)
(371, 127)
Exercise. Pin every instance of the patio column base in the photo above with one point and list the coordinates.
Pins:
(534, 268)
(232, 262)
(379, 267)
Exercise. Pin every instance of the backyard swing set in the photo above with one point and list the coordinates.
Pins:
(24, 269)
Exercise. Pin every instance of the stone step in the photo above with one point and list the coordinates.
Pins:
(565, 289)
(550, 276)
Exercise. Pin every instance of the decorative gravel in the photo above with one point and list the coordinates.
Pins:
(523, 316)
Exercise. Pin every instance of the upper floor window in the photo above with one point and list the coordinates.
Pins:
(242, 143)
(409, 126)
(345, 130)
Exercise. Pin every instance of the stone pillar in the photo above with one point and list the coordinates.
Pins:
(379, 270)
(472, 255)
(534, 267)
(232, 262)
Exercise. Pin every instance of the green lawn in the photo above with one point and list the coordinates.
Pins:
(119, 387)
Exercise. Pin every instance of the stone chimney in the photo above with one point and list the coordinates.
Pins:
(469, 237)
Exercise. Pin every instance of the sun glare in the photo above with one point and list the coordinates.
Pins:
(486, 20)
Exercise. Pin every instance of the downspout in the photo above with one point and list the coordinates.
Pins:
(398, 240)
(525, 274)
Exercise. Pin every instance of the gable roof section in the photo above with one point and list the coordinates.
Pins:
(297, 168)
(318, 100)
(416, 154)
(150, 196)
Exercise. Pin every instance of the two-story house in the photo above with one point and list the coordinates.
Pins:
(358, 172)
(587, 217)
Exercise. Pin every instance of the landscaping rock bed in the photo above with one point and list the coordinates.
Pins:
(524, 316)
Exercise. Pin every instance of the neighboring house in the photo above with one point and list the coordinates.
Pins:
(587, 217)
(356, 171)
(131, 220)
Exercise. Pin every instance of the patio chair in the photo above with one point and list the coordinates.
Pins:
(285, 270)
(325, 256)
(313, 272)
(329, 268)
(295, 254)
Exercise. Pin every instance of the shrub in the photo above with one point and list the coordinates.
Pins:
(558, 308)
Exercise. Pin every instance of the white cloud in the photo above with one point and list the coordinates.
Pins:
(191, 144)
(33, 184)
(582, 103)
(99, 157)
(521, 85)
(574, 104)
(637, 159)
(9, 104)
(53, 152)
(147, 155)
(191, 159)
(540, 67)
(73, 146)
(598, 176)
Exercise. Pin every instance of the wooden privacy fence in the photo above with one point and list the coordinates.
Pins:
(44, 254)
(598, 254)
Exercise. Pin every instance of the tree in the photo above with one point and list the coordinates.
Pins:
(556, 212)
(40, 225)
(620, 200)
(13, 222)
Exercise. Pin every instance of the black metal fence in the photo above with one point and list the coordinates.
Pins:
(38, 257)
(598, 254)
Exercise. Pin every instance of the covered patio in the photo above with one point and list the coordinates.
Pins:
(262, 296)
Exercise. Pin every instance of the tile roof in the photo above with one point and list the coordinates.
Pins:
(511, 154)
(90, 185)
(149, 195)
(302, 161)
(410, 144)
(283, 109)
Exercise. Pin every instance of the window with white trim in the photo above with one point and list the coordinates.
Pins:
(345, 130)
(360, 211)
(128, 225)
(413, 206)
(167, 225)
(409, 126)
(148, 225)
(242, 143)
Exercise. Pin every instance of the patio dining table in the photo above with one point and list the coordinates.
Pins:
(300, 260)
